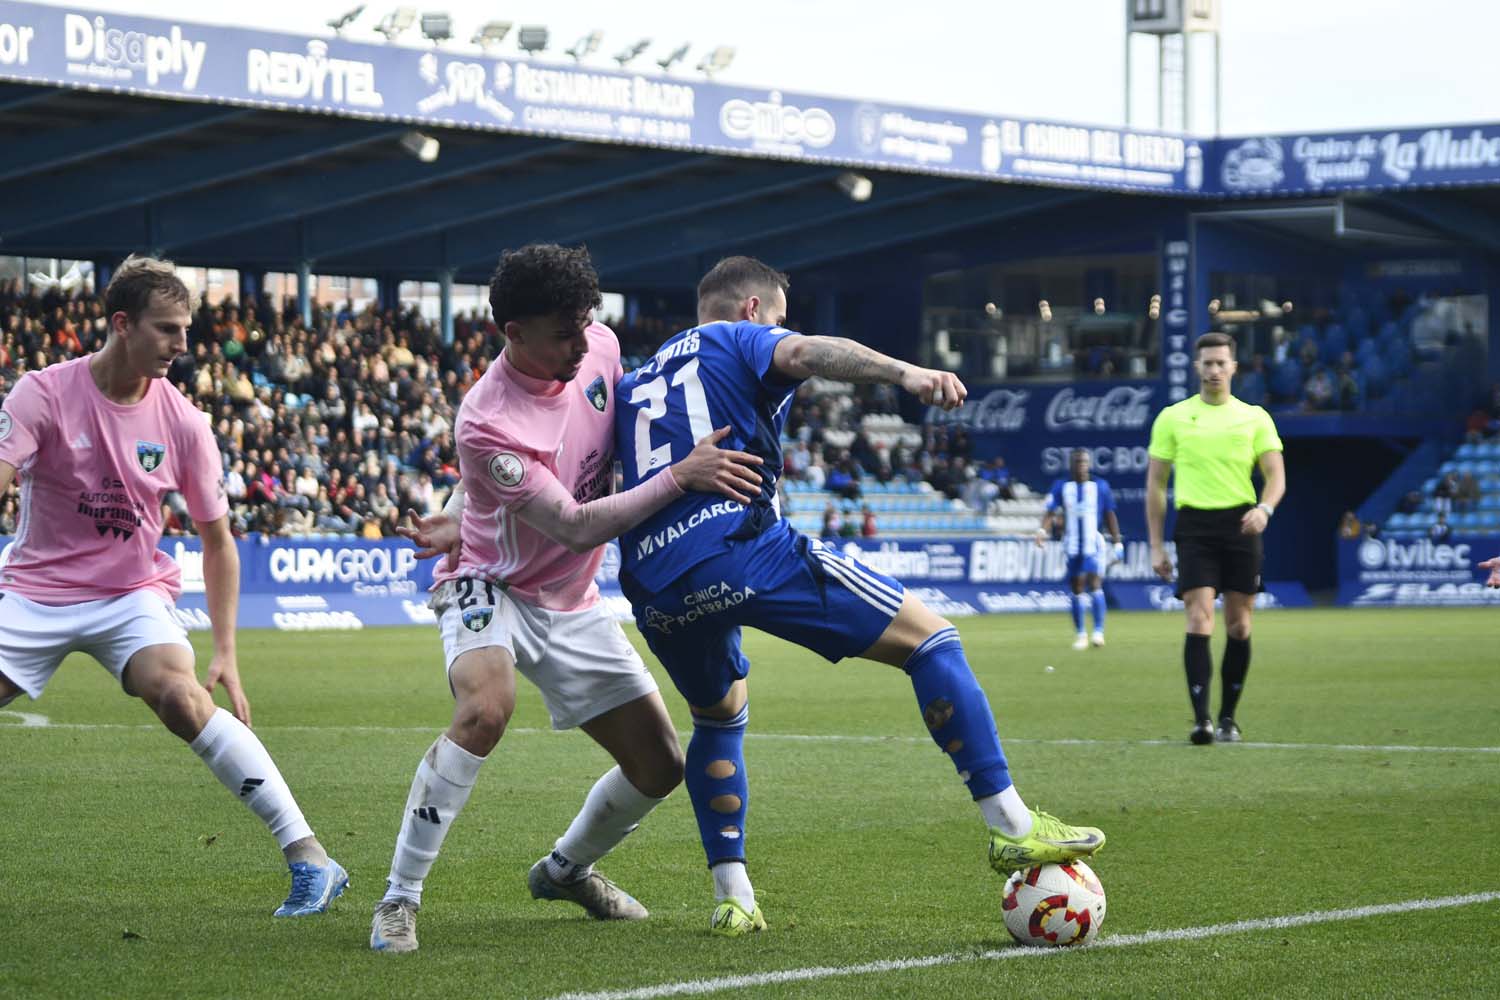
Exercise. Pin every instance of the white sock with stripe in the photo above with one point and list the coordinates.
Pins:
(240, 761)
(444, 779)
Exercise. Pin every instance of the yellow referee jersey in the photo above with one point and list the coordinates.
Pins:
(1214, 450)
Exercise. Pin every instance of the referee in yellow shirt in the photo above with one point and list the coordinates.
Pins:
(1214, 441)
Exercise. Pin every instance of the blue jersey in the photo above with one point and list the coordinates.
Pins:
(710, 376)
(1083, 506)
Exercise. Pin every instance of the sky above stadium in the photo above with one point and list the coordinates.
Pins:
(1288, 65)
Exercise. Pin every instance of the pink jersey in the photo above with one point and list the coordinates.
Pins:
(93, 474)
(515, 434)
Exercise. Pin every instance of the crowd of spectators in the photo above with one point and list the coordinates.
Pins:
(340, 426)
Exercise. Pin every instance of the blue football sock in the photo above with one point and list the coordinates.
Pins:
(1098, 596)
(1078, 600)
(717, 785)
(957, 713)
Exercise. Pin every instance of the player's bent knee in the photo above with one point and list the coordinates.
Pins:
(480, 722)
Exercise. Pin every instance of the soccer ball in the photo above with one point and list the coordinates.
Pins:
(1054, 906)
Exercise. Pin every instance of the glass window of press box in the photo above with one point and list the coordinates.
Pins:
(1051, 318)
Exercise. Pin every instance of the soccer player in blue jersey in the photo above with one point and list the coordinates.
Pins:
(702, 567)
(1081, 503)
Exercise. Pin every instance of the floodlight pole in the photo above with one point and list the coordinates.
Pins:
(304, 292)
(445, 306)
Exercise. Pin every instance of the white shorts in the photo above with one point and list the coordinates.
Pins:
(35, 638)
(580, 660)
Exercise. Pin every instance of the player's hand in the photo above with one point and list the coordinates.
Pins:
(1119, 551)
(1254, 522)
(1161, 562)
(224, 669)
(711, 469)
(1493, 565)
(934, 387)
(1041, 537)
(434, 535)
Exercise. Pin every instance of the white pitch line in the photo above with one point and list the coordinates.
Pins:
(34, 721)
(697, 987)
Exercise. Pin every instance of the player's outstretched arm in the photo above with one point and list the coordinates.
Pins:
(1493, 565)
(707, 469)
(221, 582)
(801, 356)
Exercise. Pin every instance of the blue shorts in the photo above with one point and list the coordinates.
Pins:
(782, 582)
(1082, 566)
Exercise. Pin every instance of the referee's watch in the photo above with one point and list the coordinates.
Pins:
(1266, 509)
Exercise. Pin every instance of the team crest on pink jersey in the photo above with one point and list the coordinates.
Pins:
(149, 454)
(5, 425)
(597, 393)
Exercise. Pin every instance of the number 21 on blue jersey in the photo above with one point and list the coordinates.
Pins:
(654, 395)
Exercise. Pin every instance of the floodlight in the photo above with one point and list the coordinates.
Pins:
(716, 61)
(397, 22)
(424, 147)
(491, 33)
(1099, 309)
(586, 46)
(857, 187)
(532, 38)
(437, 27)
(344, 20)
(676, 55)
(625, 55)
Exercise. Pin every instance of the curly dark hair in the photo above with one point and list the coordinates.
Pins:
(542, 279)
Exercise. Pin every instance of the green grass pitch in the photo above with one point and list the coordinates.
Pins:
(128, 872)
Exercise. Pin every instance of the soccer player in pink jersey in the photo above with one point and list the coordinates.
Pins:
(535, 440)
(97, 442)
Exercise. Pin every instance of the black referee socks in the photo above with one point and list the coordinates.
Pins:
(1199, 661)
(1236, 666)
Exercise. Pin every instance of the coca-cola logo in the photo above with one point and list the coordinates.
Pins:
(1120, 409)
(997, 410)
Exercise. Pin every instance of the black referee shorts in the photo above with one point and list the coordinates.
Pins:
(1213, 552)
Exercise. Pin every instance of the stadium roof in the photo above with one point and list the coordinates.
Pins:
(97, 174)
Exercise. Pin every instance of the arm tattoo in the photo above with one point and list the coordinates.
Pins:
(848, 361)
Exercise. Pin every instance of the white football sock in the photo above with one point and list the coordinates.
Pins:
(438, 792)
(1006, 812)
(732, 881)
(240, 761)
(614, 807)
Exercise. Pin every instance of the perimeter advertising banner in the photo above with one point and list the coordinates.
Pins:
(77, 47)
(1378, 572)
(344, 584)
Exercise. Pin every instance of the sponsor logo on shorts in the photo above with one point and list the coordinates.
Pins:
(150, 454)
(710, 600)
(507, 469)
(597, 393)
(478, 619)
